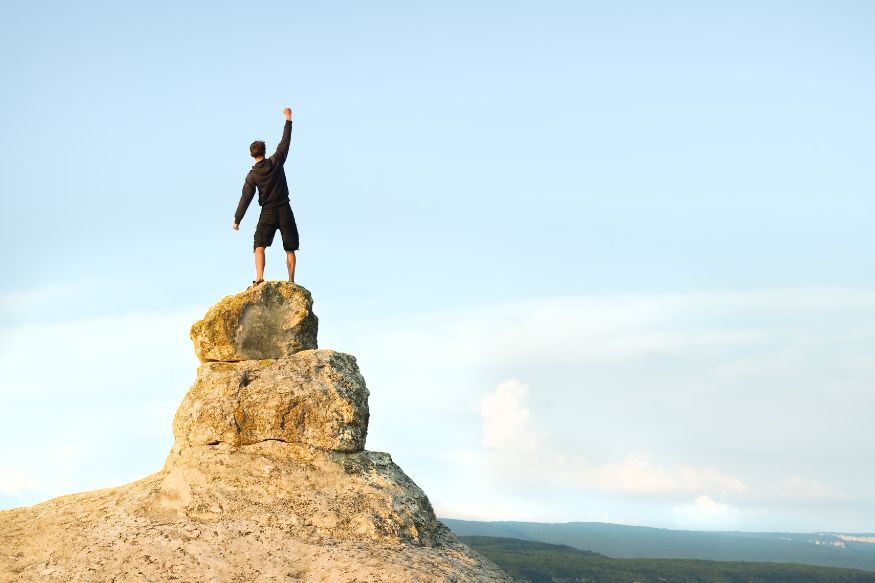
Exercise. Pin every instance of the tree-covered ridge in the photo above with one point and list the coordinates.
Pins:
(844, 550)
(538, 562)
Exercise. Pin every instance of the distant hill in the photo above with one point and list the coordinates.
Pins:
(853, 551)
(537, 562)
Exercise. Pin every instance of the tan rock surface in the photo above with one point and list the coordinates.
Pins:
(265, 512)
(316, 397)
(271, 320)
(267, 481)
(360, 496)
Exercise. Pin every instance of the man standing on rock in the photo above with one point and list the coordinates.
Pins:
(273, 196)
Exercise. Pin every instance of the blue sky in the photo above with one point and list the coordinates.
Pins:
(623, 247)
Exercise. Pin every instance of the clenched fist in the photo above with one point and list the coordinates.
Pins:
(288, 113)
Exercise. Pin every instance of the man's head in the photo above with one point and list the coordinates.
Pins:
(256, 149)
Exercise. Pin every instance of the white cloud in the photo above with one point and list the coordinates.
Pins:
(13, 303)
(13, 481)
(92, 355)
(605, 394)
(637, 473)
(707, 505)
(89, 400)
(618, 328)
(49, 471)
(506, 417)
(517, 450)
(650, 400)
(705, 512)
(802, 489)
(521, 452)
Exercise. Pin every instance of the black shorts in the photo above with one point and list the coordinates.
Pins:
(271, 219)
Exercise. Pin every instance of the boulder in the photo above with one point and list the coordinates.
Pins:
(314, 493)
(272, 320)
(269, 511)
(268, 478)
(314, 397)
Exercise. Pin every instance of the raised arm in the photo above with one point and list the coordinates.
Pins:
(282, 151)
(245, 199)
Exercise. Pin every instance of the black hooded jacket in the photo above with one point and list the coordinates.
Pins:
(270, 178)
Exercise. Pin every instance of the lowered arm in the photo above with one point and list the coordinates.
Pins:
(245, 199)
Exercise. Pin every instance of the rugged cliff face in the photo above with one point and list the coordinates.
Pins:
(268, 479)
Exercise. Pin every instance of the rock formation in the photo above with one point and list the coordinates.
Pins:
(265, 321)
(268, 478)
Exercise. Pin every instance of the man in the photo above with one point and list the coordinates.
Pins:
(273, 196)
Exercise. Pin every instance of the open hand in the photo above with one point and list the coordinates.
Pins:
(288, 113)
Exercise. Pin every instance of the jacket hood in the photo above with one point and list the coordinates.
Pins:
(264, 167)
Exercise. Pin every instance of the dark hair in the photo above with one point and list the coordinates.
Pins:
(256, 149)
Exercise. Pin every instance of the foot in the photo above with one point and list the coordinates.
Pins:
(255, 283)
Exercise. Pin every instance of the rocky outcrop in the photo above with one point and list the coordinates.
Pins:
(272, 320)
(268, 478)
(359, 497)
(314, 397)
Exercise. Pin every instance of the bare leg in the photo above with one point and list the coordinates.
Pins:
(259, 263)
(290, 263)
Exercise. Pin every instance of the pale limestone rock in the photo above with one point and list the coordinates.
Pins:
(274, 319)
(267, 481)
(270, 511)
(360, 496)
(243, 515)
(315, 397)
